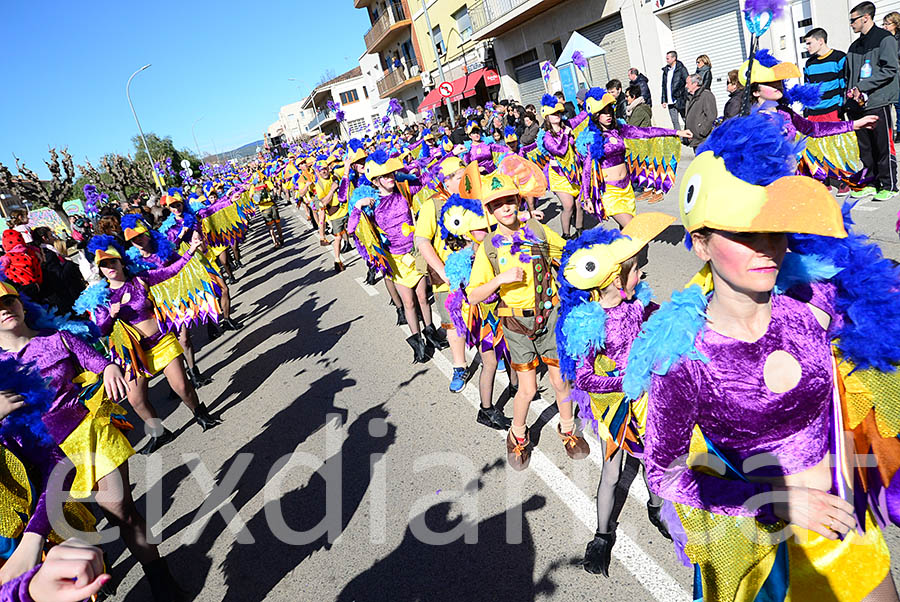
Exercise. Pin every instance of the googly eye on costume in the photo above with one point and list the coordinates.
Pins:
(691, 193)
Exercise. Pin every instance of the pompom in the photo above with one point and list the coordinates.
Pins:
(579, 60)
(380, 156)
(764, 56)
(808, 95)
(549, 100)
(362, 192)
(754, 148)
(355, 144)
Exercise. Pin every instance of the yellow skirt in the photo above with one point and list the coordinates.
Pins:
(559, 183)
(618, 200)
(161, 355)
(826, 569)
(403, 269)
(96, 448)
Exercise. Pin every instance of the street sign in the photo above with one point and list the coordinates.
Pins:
(446, 89)
(185, 163)
(190, 172)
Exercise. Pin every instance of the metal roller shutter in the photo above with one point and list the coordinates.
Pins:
(531, 85)
(610, 36)
(713, 28)
(882, 7)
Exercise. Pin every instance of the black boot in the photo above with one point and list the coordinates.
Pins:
(401, 317)
(204, 418)
(418, 346)
(370, 276)
(494, 418)
(230, 324)
(196, 377)
(162, 583)
(436, 337)
(156, 442)
(599, 552)
(213, 331)
(653, 513)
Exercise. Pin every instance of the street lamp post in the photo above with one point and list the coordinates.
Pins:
(199, 157)
(312, 98)
(156, 177)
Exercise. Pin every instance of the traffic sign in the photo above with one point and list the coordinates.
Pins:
(190, 172)
(446, 89)
(185, 163)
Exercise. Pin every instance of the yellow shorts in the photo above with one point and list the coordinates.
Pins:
(618, 200)
(96, 448)
(161, 355)
(559, 183)
(826, 569)
(403, 269)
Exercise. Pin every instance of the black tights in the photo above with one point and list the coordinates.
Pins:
(606, 491)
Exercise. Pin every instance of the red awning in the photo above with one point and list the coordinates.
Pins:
(432, 100)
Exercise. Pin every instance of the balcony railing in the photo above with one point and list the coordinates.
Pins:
(394, 14)
(396, 77)
(485, 12)
(321, 117)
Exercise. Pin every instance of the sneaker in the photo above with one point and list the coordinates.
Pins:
(518, 455)
(867, 191)
(493, 418)
(576, 446)
(458, 381)
(843, 190)
(501, 365)
(884, 195)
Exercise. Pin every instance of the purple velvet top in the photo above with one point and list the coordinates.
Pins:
(778, 433)
(391, 213)
(614, 143)
(174, 233)
(140, 305)
(623, 324)
(59, 357)
(559, 146)
(795, 124)
(16, 590)
(484, 154)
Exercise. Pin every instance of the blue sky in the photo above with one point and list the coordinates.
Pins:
(65, 67)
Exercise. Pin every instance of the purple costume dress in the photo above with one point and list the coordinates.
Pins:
(484, 154)
(16, 590)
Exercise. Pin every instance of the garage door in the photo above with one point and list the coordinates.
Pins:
(531, 86)
(713, 28)
(610, 36)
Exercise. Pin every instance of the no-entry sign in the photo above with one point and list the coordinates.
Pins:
(446, 89)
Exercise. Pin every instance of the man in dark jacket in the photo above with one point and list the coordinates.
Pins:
(701, 112)
(872, 89)
(639, 79)
(674, 95)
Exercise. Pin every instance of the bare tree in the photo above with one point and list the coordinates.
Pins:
(51, 193)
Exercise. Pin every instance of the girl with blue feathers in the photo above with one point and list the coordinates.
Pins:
(603, 306)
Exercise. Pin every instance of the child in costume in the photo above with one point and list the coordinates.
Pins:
(337, 211)
(324, 188)
(613, 156)
(515, 263)
(354, 177)
(124, 309)
(831, 151)
(603, 305)
(21, 262)
(85, 430)
(766, 375)
(433, 248)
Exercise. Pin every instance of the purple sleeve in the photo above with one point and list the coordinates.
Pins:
(820, 129)
(102, 319)
(87, 356)
(631, 131)
(576, 121)
(154, 277)
(589, 381)
(343, 189)
(353, 222)
(672, 414)
(557, 147)
(822, 295)
(527, 148)
(16, 590)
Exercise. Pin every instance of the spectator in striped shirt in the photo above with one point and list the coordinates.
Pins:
(828, 68)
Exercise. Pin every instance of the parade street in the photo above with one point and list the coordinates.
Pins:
(336, 477)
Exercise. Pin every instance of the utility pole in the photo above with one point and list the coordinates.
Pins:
(437, 58)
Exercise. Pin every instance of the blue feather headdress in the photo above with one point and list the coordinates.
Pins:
(103, 242)
(549, 100)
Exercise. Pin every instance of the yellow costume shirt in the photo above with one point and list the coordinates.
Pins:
(426, 227)
(519, 295)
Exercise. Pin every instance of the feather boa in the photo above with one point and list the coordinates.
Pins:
(43, 318)
(667, 336)
(94, 296)
(798, 268)
(168, 223)
(585, 330)
(454, 305)
(137, 264)
(364, 192)
(539, 141)
(25, 423)
(643, 293)
(458, 268)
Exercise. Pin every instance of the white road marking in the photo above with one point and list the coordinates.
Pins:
(370, 290)
(655, 579)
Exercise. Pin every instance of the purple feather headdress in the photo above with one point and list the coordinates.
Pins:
(339, 116)
(758, 7)
(579, 60)
(394, 107)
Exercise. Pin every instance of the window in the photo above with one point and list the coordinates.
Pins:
(463, 23)
(365, 92)
(557, 49)
(348, 97)
(523, 59)
(357, 125)
(438, 40)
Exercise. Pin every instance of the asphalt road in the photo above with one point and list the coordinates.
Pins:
(345, 472)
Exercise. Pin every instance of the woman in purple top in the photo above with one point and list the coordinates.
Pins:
(557, 141)
(394, 219)
(750, 357)
(92, 442)
(139, 344)
(602, 147)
